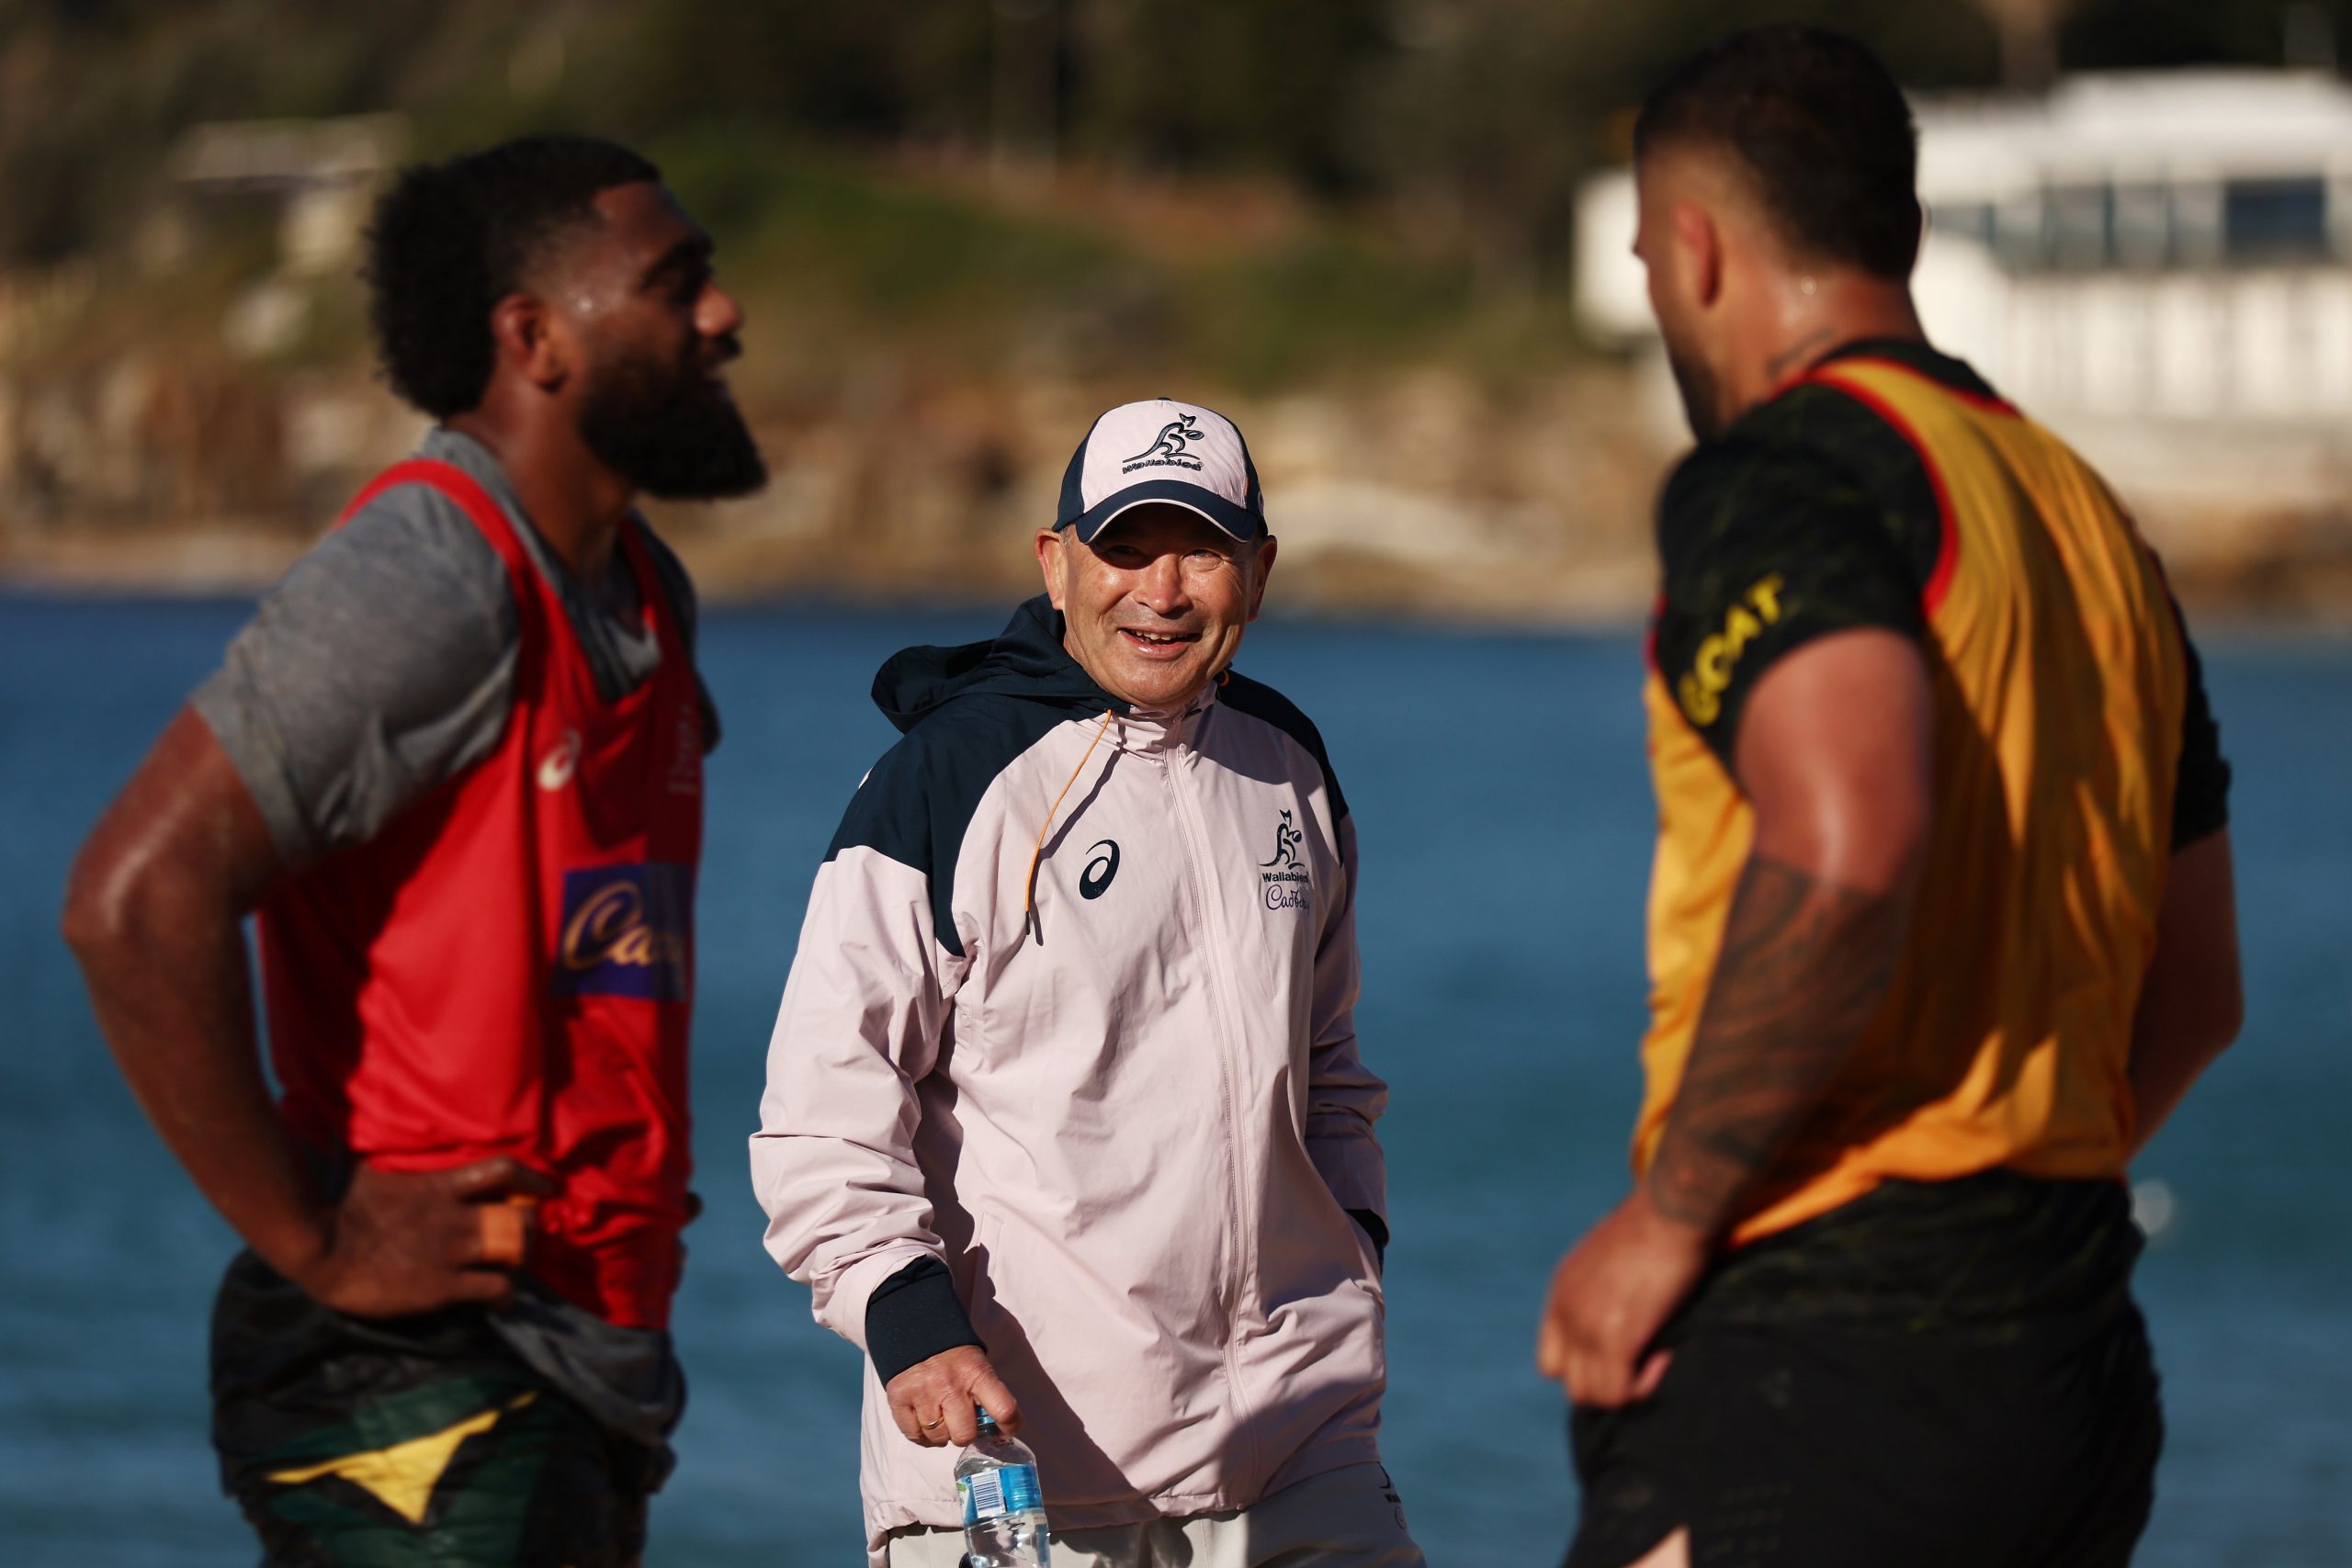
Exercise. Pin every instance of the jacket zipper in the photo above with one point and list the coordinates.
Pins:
(1199, 876)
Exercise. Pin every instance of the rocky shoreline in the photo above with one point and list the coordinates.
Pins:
(1422, 491)
(1420, 494)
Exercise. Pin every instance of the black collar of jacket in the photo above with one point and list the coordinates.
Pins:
(1026, 661)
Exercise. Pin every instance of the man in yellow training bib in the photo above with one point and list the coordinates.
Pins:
(1941, 922)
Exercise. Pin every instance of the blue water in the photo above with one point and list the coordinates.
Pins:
(1498, 784)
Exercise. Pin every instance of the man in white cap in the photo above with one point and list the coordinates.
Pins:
(1065, 1117)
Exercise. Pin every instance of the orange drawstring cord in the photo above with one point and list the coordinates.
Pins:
(1029, 883)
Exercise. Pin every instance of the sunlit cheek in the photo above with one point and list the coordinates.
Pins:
(1215, 584)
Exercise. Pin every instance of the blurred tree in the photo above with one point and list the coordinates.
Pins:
(2107, 34)
(2028, 31)
(1222, 85)
(1473, 118)
(1480, 125)
(851, 72)
(1490, 111)
(1025, 78)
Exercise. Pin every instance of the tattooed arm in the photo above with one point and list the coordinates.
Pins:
(1833, 755)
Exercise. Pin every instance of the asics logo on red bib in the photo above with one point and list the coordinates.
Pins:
(627, 932)
(562, 760)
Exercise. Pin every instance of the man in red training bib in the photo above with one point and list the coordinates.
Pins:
(453, 767)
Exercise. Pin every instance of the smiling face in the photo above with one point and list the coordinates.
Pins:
(1155, 607)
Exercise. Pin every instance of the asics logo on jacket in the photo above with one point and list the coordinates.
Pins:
(1129, 1119)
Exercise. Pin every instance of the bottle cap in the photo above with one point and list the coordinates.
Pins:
(982, 1412)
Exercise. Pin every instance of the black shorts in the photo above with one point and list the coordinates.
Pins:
(1946, 1375)
(376, 1443)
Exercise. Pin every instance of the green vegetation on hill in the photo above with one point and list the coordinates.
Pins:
(837, 255)
(1251, 194)
(1484, 112)
(842, 259)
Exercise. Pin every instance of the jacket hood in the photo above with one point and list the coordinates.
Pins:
(1026, 661)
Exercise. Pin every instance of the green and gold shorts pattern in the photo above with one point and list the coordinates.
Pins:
(418, 1442)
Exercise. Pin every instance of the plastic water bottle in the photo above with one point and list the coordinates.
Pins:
(1004, 1512)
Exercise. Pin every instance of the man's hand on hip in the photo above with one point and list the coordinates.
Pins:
(1609, 1297)
(408, 1241)
(932, 1401)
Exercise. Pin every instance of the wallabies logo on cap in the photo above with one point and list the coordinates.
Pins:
(1170, 443)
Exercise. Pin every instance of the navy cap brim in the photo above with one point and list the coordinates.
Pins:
(1238, 521)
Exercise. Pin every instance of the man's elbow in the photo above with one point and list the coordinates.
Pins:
(112, 898)
(99, 897)
(2196, 982)
(2224, 1011)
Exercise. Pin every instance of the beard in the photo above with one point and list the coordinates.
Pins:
(670, 430)
(1700, 404)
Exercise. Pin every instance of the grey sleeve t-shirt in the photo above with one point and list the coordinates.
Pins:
(383, 665)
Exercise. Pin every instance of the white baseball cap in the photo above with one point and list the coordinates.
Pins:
(1162, 450)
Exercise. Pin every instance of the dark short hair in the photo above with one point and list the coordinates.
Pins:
(450, 240)
(1820, 129)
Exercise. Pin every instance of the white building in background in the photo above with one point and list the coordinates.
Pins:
(322, 174)
(2158, 265)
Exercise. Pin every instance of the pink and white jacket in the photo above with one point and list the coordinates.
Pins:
(1067, 1066)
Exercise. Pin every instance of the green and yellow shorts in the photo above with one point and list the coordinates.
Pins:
(424, 1441)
